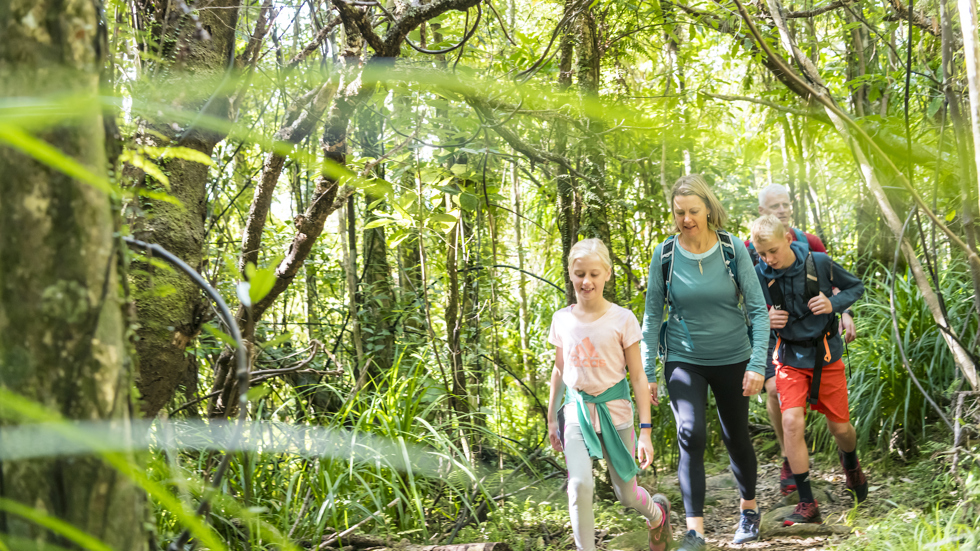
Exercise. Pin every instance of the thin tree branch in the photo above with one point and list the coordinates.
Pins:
(412, 18)
(354, 18)
(815, 11)
(770, 104)
(314, 44)
(917, 18)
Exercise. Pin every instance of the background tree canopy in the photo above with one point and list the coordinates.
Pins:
(385, 193)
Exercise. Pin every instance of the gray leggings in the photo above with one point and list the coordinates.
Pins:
(581, 485)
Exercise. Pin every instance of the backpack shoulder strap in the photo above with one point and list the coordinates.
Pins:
(812, 287)
(728, 252)
(801, 237)
(775, 294)
(667, 264)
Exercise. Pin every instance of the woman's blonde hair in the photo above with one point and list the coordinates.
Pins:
(766, 228)
(694, 184)
(590, 247)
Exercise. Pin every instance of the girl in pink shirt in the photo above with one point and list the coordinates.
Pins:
(596, 363)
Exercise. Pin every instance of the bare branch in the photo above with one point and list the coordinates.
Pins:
(771, 104)
(262, 27)
(314, 44)
(414, 17)
(532, 153)
(294, 130)
(815, 11)
(919, 19)
(354, 18)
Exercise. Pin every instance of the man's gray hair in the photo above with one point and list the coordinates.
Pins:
(771, 188)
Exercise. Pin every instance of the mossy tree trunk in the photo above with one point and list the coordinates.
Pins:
(61, 323)
(196, 61)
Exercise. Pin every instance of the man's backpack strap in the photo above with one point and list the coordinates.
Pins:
(800, 236)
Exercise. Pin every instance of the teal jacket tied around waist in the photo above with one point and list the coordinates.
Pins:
(620, 457)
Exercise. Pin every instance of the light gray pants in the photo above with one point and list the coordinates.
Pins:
(581, 486)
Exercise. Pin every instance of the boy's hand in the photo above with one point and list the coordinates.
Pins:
(752, 383)
(820, 304)
(645, 451)
(778, 318)
(654, 400)
(554, 436)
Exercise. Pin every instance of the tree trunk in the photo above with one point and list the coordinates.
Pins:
(376, 288)
(61, 326)
(454, 324)
(594, 220)
(524, 315)
(567, 219)
(202, 55)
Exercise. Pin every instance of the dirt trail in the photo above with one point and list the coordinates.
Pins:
(722, 511)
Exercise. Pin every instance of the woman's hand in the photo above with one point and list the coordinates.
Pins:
(752, 383)
(654, 400)
(820, 304)
(645, 450)
(778, 318)
(554, 435)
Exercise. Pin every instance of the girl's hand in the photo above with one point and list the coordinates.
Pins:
(645, 451)
(820, 304)
(554, 436)
(654, 400)
(752, 383)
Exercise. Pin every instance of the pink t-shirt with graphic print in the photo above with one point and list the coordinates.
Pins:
(594, 357)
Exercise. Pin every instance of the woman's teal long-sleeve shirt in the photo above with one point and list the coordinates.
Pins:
(716, 332)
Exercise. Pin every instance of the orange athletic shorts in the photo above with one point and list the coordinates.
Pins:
(793, 385)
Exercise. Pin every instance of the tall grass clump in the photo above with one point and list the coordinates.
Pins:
(310, 497)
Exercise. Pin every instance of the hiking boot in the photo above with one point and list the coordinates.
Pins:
(660, 535)
(856, 481)
(805, 513)
(692, 542)
(748, 526)
(787, 484)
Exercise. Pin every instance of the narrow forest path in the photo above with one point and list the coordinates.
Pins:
(722, 510)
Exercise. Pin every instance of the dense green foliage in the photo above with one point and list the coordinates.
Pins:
(420, 315)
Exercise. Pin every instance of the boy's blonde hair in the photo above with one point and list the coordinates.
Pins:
(766, 228)
(694, 184)
(590, 247)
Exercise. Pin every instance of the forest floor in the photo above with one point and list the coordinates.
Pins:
(722, 510)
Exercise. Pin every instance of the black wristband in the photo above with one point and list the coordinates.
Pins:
(849, 312)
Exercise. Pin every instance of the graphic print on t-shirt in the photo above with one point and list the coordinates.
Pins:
(585, 355)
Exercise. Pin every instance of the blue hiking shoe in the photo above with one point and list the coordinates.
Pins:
(748, 526)
(692, 542)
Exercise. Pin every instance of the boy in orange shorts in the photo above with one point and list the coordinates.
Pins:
(808, 350)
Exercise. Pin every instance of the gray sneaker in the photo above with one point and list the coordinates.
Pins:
(692, 542)
(748, 526)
